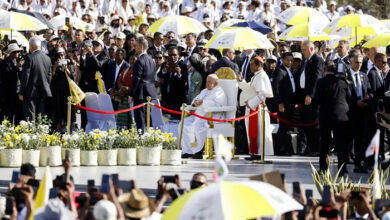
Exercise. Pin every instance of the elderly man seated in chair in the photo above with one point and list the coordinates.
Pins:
(195, 129)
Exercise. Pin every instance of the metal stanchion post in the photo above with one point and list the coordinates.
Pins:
(69, 123)
(183, 116)
(262, 137)
(234, 147)
(148, 112)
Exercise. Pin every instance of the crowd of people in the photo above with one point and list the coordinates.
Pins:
(118, 199)
(342, 88)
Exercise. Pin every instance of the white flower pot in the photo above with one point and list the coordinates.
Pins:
(171, 157)
(127, 156)
(74, 156)
(50, 156)
(88, 158)
(11, 157)
(148, 156)
(107, 157)
(31, 156)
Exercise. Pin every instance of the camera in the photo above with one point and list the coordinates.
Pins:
(63, 62)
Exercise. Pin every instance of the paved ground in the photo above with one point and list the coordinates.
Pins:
(295, 169)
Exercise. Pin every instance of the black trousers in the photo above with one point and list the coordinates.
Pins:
(13, 108)
(33, 107)
(283, 140)
(360, 128)
(341, 133)
(140, 116)
(310, 115)
(240, 136)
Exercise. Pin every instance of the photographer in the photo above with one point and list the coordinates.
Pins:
(10, 77)
(60, 90)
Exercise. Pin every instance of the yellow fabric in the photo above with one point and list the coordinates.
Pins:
(302, 31)
(184, 25)
(42, 196)
(100, 83)
(175, 208)
(381, 40)
(77, 94)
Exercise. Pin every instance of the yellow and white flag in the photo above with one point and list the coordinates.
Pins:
(77, 94)
(42, 196)
(100, 83)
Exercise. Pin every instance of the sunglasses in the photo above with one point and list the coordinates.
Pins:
(158, 58)
(96, 45)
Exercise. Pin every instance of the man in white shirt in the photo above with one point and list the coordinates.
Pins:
(195, 129)
(332, 13)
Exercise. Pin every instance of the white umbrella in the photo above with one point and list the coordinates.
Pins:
(19, 37)
(59, 21)
(19, 21)
(300, 15)
(178, 24)
(239, 38)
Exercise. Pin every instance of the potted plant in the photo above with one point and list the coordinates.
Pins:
(107, 154)
(30, 145)
(51, 150)
(148, 153)
(88, 149)
(71, 147)
(11, 153)
(126, 143)
(170, 155)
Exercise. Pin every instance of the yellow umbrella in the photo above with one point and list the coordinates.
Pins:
(59, 21)
(233, 201)
(239, 38)
(381, 40)
(300, 15)
(302, 32)
(178, 24)
(15, 35)
(19, 21)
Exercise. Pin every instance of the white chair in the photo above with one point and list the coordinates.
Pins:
(227, 80)
(99, 121)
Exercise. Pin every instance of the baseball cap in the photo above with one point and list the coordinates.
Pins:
(120, 35)
(297, 55)
(272, 57)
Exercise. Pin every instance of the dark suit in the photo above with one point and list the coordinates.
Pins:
(313, 71)
(174, 87)
(360, 117)
(246, 70)
(143, 85)
(152, 51)
(35, 83)
(334, 96)
(285, 95)
(109, 77)
(9, 75)
(90, 65)
(225, 62)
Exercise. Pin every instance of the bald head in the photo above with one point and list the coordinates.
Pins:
(371, 54)
(307, 49)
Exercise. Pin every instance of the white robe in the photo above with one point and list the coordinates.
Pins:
(262, 85)
(195, 129)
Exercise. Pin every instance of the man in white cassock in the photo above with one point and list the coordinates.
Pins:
(195, 129)
(262, 89)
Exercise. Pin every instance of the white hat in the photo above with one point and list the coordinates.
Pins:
(104, 210)
(115, 17)
(332, 3)
(202, 42)
(207, 19)
(272, 57)
(60, 50)
(182, 44)
(61, 28)
(214, 76)
(151, 16)
(89, 28)
(187, 9)
(99, 41)
(297, 55)
(120, 35)
(348, 7)
(54, 209)
(13, 48)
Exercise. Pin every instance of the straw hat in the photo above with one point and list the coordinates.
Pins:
(136, 204)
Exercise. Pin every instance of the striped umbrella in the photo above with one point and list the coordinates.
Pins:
(300, 15)
(19, 21)
(302, 32)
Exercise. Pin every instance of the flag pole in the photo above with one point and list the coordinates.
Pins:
(68, 125)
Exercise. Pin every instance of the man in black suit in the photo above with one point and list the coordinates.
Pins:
(114, 69)
(342, 50)
(158, 40)
(10, 75)
(245, 61)
(226, 61)
(377, 81)
(175, 78)
(369, 63)
(92, 59)
(361, 91)
(333, 95)
(143, 81)
(285, 99)
(313, 70)
(35, 82)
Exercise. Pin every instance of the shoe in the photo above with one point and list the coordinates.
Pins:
(198, 155)
(249, 158)
(313, 154)
(185, 156)
(360, 169)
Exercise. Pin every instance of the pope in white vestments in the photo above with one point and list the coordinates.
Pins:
(262, 88)
(195, 129)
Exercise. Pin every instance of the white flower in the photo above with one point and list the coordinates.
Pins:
(23, 123)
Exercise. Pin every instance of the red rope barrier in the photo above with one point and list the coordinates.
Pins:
(224, 120)
(167, 109)
(110, 112)
(275, 115)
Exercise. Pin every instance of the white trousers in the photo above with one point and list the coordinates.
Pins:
(194, 130)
